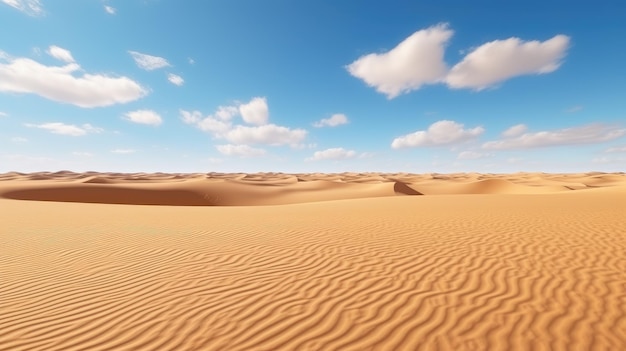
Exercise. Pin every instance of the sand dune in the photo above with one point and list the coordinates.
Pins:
(480, 262)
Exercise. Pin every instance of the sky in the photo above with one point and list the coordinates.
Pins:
(312, 86)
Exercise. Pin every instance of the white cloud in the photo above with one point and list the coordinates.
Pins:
(175, 79)
(66, 129)
(3, 114)
(190, 117)
(58, 83)
(148, 117)
(587, 134)
(334, 120)
(148, 62)
(255, 112)
(616, 149)
(226, 113)
(239, 150)
(270, 134)
(416, 61)
(499, 60)
(215, 126)
(191, 61)
(19, 140)
(439, 133)
(123, 151)
(110, 10)
(29, 7)
(515, 130)
(575, 109)
(337, 153)
(471, 155)
(60, 54)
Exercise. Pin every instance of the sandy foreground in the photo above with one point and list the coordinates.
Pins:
(369, 261)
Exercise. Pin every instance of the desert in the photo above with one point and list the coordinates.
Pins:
(344, 261)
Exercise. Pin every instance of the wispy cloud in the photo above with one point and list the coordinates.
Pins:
(616, 149)
(587, 134)
(439, 133)
(499, 60)
(575, 109)
(239, 150)
(175, 79)
(148, 62)
(333, 121)
(416, 61)
(62, 84)
(66, 129)
(3, 114)
(337, 153)
(110, 10)
(29, 7)
(471, 155)
(82, 154)
(19, 140)
(123, 151)
(148, 117)
(515, 130)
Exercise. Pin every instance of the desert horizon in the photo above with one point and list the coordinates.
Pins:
(347, 261)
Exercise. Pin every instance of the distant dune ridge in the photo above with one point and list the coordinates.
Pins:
(347, 261)
(239, 189)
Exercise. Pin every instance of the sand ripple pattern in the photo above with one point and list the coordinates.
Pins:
(475, 272)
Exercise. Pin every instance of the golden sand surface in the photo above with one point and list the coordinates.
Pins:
(349, 261)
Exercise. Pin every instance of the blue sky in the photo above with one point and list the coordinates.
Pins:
(312, 86)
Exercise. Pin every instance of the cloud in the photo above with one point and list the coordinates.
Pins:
(175, 79)
(191, 61)
(515, 130)
(29, 7)
(334, 120)
(123, 151)
(587, 134)
(19, 140)
(575, 109)
(221, 126)
(255, 112)
(148, 62)
(3, 114)
(59, 83)
(616, 149)
(148, 117)
(337, 153)
(471, 155)
(416, 61)
(60, 54)
(499, 60)
(439, 133)
(66, 129)
(239, 150)
(110, 10)
(269, 134)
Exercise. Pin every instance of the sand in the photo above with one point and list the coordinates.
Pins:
(107, 261)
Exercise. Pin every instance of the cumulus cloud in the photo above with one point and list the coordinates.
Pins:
(416, 61)
(220, 125)
(63, 84)
(110, 10)
(66, 129)
(255, 111)
(239, 150)
(148, 117)
(269, 134)
(60, 54)
(439, 133)
(499, 60)
(334, 120)
(175, 79)
(515, 130)
(337, 153)
(29, 7)
(148, 62)
(587, 134)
